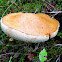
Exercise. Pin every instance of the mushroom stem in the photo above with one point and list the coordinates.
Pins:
(49, 36)
(43, 44)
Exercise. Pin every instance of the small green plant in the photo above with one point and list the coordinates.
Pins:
(59, 34)
(43, 55)
(10, 59)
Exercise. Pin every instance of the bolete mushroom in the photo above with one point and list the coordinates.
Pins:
(30, 27)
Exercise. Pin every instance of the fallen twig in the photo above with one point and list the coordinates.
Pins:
(14, 4)
(15, 45)
(55, 12)
(57, 45)
(51, 5)
(12, 53)
(58, 59)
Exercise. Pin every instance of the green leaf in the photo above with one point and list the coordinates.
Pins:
(48, 0)
(43, 55)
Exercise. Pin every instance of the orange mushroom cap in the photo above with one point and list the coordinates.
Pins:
(30, 27)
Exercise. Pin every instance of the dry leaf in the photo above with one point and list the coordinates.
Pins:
(11, 39)
(16, 55)
(30, 56)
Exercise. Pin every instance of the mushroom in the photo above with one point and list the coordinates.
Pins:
(30, 27)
